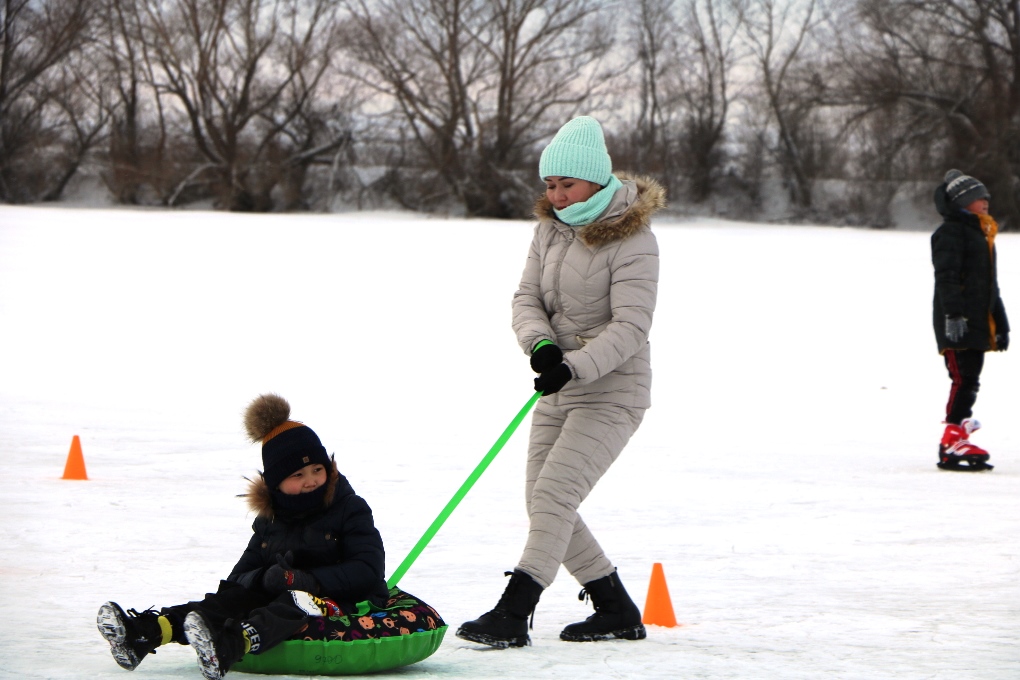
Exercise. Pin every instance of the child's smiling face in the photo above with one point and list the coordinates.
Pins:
(307, 479)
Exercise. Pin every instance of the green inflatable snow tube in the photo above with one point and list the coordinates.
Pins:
(368, 640)
(334, 657)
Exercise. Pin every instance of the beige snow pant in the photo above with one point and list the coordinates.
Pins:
(570, 448)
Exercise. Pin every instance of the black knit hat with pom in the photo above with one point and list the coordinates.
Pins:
(962, 190)
(287, 445)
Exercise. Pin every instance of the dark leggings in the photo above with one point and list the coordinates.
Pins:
(275, 617)
(964, 366)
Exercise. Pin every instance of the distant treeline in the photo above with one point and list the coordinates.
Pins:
(264, 105)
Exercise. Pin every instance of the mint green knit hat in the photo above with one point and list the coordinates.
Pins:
(578, 150)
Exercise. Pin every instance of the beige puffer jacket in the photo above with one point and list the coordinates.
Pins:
(592, 290)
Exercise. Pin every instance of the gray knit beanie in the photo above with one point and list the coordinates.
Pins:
(962, 190)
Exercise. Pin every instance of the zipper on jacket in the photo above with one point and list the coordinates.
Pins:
(570, 235)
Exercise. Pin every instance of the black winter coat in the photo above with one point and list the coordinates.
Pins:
(966, 282)
(338, 544)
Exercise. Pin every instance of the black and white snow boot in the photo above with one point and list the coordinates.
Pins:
(616, 616)
(132, 635)
(507, 624)
(217, 650)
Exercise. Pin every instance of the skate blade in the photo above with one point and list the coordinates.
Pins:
(200, 638)
(974, 466)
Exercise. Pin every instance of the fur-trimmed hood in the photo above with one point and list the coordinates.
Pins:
(260, 497)
(620, 221)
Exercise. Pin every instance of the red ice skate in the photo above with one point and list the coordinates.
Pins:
(957, 453)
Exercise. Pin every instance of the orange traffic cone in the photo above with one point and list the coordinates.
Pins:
(658, 606)
(75, 467)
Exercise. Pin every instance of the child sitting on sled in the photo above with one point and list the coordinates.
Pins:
(314, 544)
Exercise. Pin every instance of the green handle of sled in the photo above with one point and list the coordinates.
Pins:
(461, 492)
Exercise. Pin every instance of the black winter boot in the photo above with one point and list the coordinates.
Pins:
(616, 615)
(507, 624)
(132, 635)
(217, 650)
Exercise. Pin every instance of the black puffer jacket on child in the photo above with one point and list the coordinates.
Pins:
(966, 281)
(337, 543)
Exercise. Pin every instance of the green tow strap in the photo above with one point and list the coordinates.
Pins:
(461, 492)
(542, 344)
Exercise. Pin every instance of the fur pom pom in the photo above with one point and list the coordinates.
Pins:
(265, 413)
(951, 175)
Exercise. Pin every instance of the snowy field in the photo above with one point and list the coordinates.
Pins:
(785, 476)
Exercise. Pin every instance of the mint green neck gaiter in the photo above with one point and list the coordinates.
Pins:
(580, 214)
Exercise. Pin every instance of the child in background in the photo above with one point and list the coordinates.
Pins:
(312, 537)
(968, 313)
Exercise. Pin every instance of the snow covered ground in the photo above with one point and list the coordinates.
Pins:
(785, 476)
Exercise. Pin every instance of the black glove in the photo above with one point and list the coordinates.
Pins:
(553, 381)
(281, 576)
(546, 357)
(1001, 342)
(956, 328)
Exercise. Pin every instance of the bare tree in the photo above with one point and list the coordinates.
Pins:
(138, 167)
(36, 38)
(422, 56)
(654, 36)
(78, 91)
(703, 88)
(532, 42)
(245, 74)
(948, 74)
(777, 33)
(686, 54)
(477, 82)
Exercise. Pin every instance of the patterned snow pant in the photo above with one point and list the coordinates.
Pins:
(570, 448)
(964, 366)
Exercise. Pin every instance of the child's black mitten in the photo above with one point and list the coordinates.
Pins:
(282, 576)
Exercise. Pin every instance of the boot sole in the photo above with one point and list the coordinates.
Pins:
(110, 622)
(637, 632)
(201, 640)
(491, 641)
